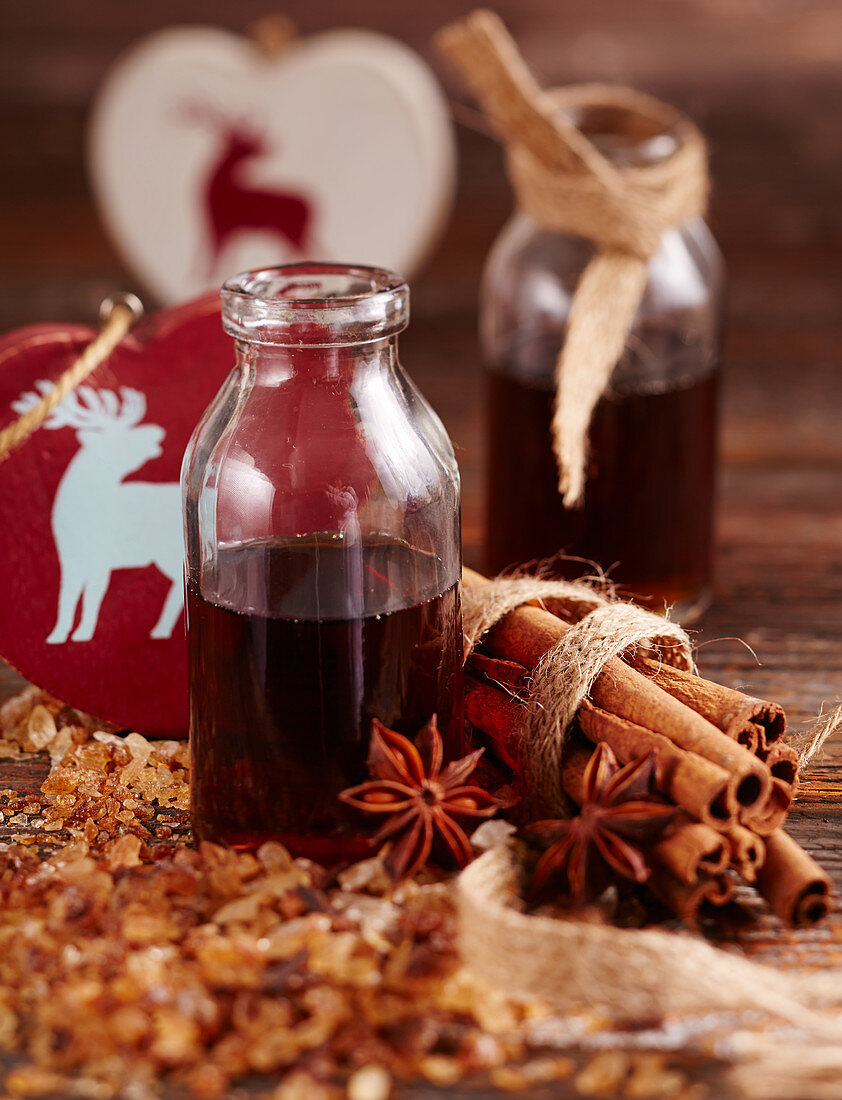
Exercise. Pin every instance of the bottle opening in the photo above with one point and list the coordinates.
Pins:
(315, 304)
(625, 137)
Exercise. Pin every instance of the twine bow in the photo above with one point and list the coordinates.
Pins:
(562, 180)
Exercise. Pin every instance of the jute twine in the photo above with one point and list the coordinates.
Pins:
(631, 975)
(117, 315)
(562, 180)
(603, 628)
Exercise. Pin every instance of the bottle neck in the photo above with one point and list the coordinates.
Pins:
(272, 364)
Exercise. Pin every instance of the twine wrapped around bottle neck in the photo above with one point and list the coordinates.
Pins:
(566, 184)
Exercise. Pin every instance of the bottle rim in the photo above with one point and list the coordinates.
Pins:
(623, 137)
(315, 304)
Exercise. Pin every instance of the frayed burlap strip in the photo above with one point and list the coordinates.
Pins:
(562, 180)
(606, 628)
(630, 974)
(771, 1068)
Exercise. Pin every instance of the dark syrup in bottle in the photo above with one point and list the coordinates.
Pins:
(648, 509)
(282, 702)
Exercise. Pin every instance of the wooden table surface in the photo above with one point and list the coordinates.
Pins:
(775, 628)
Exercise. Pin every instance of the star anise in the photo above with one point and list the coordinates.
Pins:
(427, 807)
(609, 836)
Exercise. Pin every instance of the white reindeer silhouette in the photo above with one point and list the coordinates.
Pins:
(101, 523)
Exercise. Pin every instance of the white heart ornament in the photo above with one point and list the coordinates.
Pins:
(209, 158)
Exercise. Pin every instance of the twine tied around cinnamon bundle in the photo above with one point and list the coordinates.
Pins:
(604, 628)
(565, 183)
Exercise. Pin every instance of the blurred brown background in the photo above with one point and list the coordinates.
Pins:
(764, 79)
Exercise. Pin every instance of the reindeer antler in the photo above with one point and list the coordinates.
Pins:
(134, 406)
(58, 418)
(201, 111)
(29, 400)
(206, 113)
(87, 408)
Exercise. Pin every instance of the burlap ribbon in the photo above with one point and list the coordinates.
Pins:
(629, 974)
(562, 180)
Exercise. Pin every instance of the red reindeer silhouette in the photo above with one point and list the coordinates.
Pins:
(231, 204)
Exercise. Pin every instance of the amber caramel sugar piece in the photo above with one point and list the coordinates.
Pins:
(132, 963)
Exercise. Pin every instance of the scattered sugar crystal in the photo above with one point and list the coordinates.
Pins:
(60, 745)
(41, 727)
(441, 1070)
(108, 738)
(146, 959)
(370, 1083)
(138, 746)
(490, 834)
(604, 1074)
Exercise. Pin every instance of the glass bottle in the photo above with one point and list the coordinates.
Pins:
(323, 560)
(647, 516)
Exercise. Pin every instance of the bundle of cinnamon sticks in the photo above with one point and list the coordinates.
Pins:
(720, 757)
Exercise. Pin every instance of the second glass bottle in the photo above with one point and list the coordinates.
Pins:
(647, 515)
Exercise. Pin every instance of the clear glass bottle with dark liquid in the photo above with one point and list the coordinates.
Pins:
(322, 524)
(647, 517)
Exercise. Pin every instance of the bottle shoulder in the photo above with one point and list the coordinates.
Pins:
(322, 454)
(530, 278)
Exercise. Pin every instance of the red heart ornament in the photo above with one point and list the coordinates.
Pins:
(91, 603)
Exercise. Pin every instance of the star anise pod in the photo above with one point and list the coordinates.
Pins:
(426, 806)
(609, 836)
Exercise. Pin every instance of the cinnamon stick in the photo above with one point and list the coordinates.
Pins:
(747, 851)
(771, 816)
(577, 753)
(692, 851)
(510, 675)
(620, 690)
(752, 722)
(691, 781)
(527, 633)
(686, 900)
(496, 715)
(792, 882)
(782, 762)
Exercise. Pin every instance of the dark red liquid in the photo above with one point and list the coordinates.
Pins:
(648, 510)
(281, 705)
